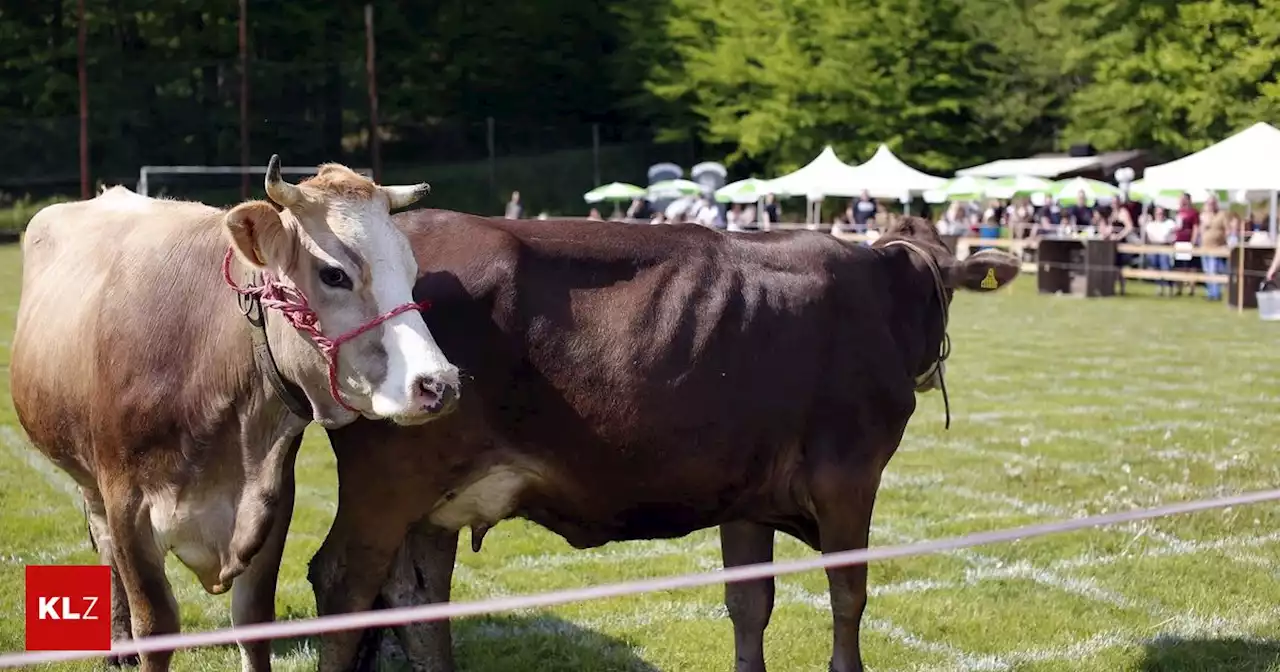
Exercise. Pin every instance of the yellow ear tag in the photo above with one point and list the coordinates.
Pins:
(990, 281)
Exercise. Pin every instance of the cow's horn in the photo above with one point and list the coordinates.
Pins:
(277, 189)
(401, 196)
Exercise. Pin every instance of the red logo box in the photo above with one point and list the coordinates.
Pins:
(68, 608)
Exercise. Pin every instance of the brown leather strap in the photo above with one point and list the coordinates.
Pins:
(290, 395)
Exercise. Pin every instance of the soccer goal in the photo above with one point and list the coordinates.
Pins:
(173, 176)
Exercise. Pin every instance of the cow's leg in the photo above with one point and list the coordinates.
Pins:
(750, 603)
(253, 595)
(844, 494)
(349, 569)
(423, 574)
(140, 563)
(98, 528)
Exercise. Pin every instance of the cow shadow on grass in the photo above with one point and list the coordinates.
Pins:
(539, 643)
(1174, 654)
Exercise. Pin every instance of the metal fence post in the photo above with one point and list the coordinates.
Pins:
(244, 97)
(493, 168)
(595, 155)
(83, 76)
(371, 73)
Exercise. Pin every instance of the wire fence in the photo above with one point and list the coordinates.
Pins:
(473, 165)
(448, 610)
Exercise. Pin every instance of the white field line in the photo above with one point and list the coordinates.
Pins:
(790, 593)
(652, 613)
(985, 567)
(1221, 459)
(20, 449)
(1182, 626)
(1159, 493)
(1004, 416)
(663, 612)
(985, 571)
(1013, 505)
(623, 553)
(56, 556)
(1188, 548)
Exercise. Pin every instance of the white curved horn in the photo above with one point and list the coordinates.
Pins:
(277, 189)
(401, 196)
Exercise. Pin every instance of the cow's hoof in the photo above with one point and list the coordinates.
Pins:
(130, 660)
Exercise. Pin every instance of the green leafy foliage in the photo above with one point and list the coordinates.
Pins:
(1176, 76)
(765, 83)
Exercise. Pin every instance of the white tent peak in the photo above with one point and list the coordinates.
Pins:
(884, 175)
(825, 175)
(1244, 161)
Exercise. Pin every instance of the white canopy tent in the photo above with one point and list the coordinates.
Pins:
(884, 175)
(1247, 161)
(1046, 166)
(826, 175)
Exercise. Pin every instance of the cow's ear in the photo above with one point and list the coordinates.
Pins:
(257, 234)
(983, 271)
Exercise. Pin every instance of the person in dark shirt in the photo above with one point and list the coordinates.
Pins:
(1081, 213)
(772, 214)
(1123, 203)
(1050, 214)
(861, 211)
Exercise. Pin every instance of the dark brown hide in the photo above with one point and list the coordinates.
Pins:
(639, 382)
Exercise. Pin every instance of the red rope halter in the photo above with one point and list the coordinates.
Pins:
(292, 304)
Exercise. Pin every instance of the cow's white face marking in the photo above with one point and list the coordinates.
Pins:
(335, 242)
(389, 366)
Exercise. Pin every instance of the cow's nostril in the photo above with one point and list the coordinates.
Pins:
(427, 389)
(448, 395)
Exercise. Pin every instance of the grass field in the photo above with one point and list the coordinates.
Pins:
(1062, 407)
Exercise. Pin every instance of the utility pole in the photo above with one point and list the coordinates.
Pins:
(244, 98)
(83, 76)
(371, 74)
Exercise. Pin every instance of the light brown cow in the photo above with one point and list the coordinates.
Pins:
(135, 370)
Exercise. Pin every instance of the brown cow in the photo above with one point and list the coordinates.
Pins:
(135, 370)
(632, 382)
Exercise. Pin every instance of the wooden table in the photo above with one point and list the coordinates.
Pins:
(1077, 266)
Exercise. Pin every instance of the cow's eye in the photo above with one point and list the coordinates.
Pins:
(335, 277)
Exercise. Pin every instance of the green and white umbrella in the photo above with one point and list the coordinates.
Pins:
(966, 188)
(1021, 185)
(1066, 191)
(614, 191)
(674, 189)
(1138, 191)
(749, 190)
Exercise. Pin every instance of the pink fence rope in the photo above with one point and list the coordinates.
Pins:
(447, 610)
(292, 304)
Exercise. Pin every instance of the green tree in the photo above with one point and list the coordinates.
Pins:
(778, 79)
(1170, 76)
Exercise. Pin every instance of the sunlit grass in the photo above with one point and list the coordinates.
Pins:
(1062, 407)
